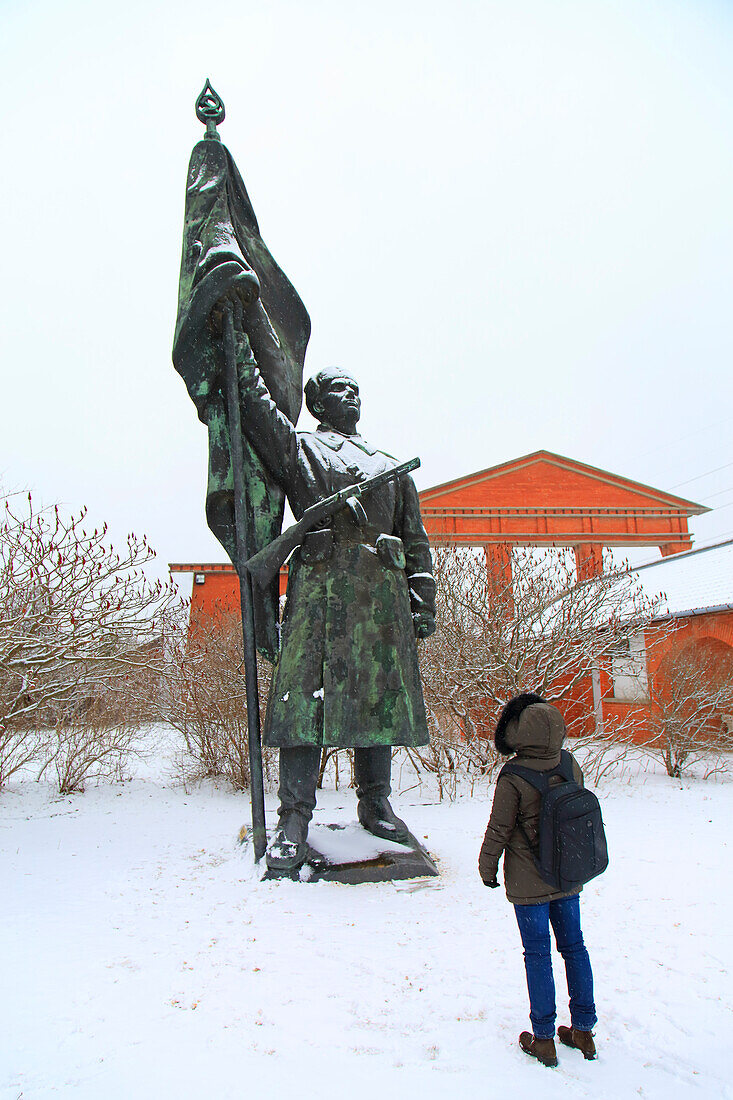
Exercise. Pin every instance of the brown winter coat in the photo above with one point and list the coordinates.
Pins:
(536, 737)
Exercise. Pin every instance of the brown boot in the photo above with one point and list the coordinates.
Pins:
(541, 1049)
(581, 1040)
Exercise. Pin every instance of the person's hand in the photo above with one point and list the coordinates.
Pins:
(491, 882)
(423, 623)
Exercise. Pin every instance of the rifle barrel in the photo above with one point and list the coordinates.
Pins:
(264, 565)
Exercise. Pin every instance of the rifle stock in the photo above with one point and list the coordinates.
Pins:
(265, 565)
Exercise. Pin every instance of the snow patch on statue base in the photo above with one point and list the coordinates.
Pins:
(351, 855)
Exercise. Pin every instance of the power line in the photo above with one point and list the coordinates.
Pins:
(679, 439)
(719, 494)
(691, 479)
(712, 541)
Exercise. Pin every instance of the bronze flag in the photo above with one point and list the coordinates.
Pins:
(224, 252)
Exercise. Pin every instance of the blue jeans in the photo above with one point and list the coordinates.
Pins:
(534, 928)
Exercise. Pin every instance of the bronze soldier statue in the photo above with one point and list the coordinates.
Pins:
(360, 588)
(360, 592)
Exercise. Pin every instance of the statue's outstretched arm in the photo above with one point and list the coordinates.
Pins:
(269, 431)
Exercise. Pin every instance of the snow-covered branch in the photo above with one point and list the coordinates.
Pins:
(78, 619)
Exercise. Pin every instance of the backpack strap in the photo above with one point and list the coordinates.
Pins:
(565, 767)
(541, 780)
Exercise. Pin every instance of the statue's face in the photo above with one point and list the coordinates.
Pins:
(340, 405)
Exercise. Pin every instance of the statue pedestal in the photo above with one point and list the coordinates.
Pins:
(348, 854)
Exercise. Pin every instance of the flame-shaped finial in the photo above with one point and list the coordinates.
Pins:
(210, 109)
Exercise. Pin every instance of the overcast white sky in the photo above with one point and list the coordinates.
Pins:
(512, 221)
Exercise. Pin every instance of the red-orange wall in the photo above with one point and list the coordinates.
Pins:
(661, 639)
(220, 591)
(576, 700)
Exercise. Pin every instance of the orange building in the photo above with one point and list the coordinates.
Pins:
(544, 499)
(695, 623)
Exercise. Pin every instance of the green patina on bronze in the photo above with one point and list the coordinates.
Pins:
(223, 253)
(348, 671)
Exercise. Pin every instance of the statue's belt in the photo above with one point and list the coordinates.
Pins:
(319, 546)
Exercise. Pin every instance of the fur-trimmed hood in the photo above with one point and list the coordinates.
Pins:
(530, 727)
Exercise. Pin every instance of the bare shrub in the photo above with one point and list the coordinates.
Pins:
(203, 696)
(76, 619)
(89, 744)
(614, 753)
(336, 762)
(92, 732)
(691, 695)
(458, 752)
(20, 745)
(542, 631)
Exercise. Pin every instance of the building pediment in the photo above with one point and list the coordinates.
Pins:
(548, 499)
(543, 478)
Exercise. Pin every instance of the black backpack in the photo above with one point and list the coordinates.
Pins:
(572, 840)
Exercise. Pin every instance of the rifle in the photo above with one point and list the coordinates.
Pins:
(266, 564)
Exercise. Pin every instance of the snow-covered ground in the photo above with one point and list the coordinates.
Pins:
(142, 957)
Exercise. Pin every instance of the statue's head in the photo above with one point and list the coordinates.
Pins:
(332, 396)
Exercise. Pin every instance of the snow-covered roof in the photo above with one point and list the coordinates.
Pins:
(696, 581)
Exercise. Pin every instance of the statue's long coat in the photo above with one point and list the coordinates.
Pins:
(347, 673)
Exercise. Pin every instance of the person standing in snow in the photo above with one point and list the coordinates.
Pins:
(534, 731)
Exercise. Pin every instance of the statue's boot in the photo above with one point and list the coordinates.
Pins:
(298, 776)
(289, 846)
(372, 772)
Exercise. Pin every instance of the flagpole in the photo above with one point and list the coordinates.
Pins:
(210, 111)
(257, 789)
